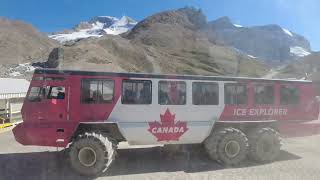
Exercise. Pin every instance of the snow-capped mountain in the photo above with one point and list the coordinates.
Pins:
(96, 27)
(269, 42)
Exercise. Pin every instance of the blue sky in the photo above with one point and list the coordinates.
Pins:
(300, 16)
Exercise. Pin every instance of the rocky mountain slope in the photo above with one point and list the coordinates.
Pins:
(304, 68)
(168, 42)
(22, 43)
(269, 42)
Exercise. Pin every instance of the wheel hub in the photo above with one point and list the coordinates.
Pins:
(87, 156)
(267, 146)
(232, 149)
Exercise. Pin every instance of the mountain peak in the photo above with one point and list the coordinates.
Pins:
(188, 17)
(222, 22)
(125, 20)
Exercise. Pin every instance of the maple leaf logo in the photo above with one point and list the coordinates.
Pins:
(167, 129)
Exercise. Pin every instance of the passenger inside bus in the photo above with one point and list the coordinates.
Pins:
(96, 95)
(144, 94)
(264, 94)
(205, 93)
(60, 95)
(136, 92)
(172, 93)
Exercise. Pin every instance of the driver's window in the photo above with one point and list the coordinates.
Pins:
(56, 92)
(35, 94)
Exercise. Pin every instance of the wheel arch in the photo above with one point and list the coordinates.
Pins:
(105, 128)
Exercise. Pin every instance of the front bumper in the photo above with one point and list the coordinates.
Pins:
(20, 134)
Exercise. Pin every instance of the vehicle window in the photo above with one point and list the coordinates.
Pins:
(136, 92)
(97, 91)
(35, 94)
(264, 94)
(56, 92)
(235, 94)
(204, 93)
(289, 94)
(107, 91)
(172, 93)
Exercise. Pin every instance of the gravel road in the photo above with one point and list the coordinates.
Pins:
(298, 160)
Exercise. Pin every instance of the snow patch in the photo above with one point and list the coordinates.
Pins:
(19, 69)
(287, 32)
(98, 29)
(250, 56)
(110, 17)
(299, 51)
(14, 74)
(238, 25)
(82, 34)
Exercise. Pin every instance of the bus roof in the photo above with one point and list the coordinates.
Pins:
(160, 76)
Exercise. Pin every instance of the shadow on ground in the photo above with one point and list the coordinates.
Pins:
(53, 165)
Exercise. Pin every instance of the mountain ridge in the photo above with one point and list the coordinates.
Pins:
(174, 41)
(167, 42)
(269, 42)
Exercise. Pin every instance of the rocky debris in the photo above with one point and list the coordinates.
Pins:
(54, 60)
(24, 70)
(106, 21)
(82, 25)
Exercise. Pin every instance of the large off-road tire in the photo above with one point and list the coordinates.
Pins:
(91, 154)
(265, 144)
(228, 146)
(211, 143)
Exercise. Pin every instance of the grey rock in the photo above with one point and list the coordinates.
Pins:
(54, 60)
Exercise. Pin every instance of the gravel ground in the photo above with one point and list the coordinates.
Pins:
(298, 160)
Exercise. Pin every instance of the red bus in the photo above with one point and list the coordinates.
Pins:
(91, 112)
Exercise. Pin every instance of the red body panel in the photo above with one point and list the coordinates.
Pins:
(42, 120)
(47, 121)
(306, 110)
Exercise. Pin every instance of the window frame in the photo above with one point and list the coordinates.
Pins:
(136, 80)
(255, 97)
(178, 81)
(97, 79)
(202, 82)
(235, 84)
(39, 94)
